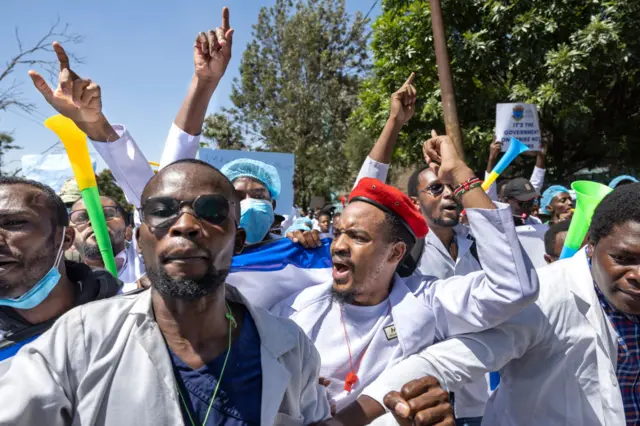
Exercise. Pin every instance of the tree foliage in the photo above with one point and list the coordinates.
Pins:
(577, 60)
(107, 186)
(223, 133)
(299, 82)
(6, 144)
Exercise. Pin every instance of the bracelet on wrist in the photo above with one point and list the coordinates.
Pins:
(466, 186)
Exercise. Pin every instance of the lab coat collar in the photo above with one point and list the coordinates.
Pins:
(274, 342)
(582, 286)
(461, 234)
(580, 280)
(409, 314)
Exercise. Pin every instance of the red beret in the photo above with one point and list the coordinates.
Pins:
(390, 200)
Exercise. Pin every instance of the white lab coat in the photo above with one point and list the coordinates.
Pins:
(470, 401)
(557, 358)
(107, 363)
(424, 309)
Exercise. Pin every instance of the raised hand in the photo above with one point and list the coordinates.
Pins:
(75, 98)
(441, 154)
(212, 51)
(403, 102)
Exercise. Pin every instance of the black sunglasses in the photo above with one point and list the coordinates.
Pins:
(435, 190)
(162, 212)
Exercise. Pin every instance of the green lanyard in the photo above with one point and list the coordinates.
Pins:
(232, 323)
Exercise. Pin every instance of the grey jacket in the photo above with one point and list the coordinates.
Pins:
(106, 363)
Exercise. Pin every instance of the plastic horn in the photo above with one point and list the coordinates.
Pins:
(588, 196)
(75, 143)
(515, 148)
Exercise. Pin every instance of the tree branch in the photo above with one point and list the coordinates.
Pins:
(11, 97)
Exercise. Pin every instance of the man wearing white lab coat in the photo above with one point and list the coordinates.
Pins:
(448, 250)
(130, 360)
(572, 357)
(367, 319)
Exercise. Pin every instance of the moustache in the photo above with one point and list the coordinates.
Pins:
(178, 250)
(340, 260)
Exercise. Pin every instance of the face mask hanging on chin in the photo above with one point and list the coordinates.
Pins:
(256, 218)
(41, 289)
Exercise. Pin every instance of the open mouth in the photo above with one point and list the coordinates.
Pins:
(341, 270)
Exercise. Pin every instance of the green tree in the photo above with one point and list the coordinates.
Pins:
(578, 61)
(6, 144)
(107, 186)
(220, 130)
(299, 82)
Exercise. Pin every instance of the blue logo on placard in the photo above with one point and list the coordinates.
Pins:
(518, 112)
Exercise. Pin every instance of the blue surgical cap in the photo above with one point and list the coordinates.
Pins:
(615, 182)
(262, 172)
(547, 197)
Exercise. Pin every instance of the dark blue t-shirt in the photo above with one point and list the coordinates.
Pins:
(239, 397)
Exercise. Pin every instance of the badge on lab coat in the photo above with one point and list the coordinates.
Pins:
(390, 332)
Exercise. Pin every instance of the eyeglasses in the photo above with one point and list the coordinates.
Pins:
(81, 217)
(162, 212)
(435, 190)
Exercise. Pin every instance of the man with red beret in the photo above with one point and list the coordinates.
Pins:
(367, 318)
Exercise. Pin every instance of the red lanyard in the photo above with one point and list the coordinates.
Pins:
(352, 377)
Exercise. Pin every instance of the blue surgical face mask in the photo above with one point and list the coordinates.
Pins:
(256, 218)
(41, 290)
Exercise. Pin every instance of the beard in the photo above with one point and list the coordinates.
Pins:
(446, 223)
(89, 250)
(347, 297)
(187, 289)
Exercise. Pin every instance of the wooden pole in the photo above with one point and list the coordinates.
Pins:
(449, 109)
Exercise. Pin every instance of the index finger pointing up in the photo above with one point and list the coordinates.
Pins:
(225, 18)
(410, 79)
(63, 58)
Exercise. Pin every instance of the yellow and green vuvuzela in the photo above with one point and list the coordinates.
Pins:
(75, 143)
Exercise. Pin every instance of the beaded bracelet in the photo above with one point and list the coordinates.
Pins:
(466, 186)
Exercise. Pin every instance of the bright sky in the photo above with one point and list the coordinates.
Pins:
(141, 56)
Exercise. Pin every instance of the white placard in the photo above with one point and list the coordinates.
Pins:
(519, 121)
(284, 163)
(50, 169)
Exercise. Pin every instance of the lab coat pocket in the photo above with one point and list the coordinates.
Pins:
(287, 420)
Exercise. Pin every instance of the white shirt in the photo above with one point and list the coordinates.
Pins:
(557, 358)
(423, 309)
